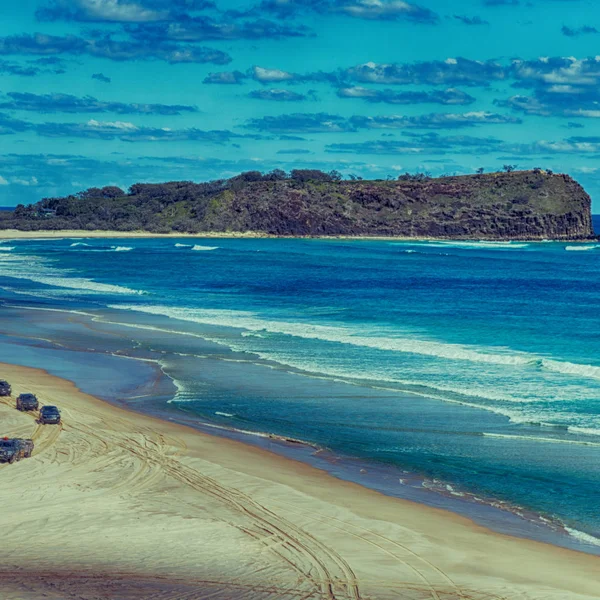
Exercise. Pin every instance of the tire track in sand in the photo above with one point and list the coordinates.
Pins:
(317, 563)
(435, 590)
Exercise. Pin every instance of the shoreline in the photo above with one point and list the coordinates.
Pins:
(15, 234)
(499, 515)
(167, 507)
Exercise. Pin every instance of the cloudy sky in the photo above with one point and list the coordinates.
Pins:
(111, 92)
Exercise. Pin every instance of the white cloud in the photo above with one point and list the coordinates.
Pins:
(262, 74)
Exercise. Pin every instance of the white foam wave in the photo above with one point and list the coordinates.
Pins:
(121, 248)
(7, 248)
(35, 269)
(224, 414)
(74, 245)
(475, 245)
(586, 538)
(569, 368)
(183, 245)
(584, 430)
(581, 248)
(344, 335)
(206, 248)
(535, 438)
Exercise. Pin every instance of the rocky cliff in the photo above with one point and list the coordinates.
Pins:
(518, 205)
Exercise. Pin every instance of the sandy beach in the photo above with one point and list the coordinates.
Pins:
(15, 234)
(114, 504)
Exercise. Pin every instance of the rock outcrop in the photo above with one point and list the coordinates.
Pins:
(519, 205)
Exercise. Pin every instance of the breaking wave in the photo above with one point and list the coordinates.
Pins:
(344, 335)
(581, 248)
(580, 536)
(197, 247)
(32, 268)
(476, 245)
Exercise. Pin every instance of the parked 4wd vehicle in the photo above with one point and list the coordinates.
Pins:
(49, 415)
(12, 450)
(27, 402)
(5, 389)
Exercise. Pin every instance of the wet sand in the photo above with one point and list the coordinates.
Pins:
(115, 504)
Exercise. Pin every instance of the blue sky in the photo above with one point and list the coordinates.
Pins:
(112, 92)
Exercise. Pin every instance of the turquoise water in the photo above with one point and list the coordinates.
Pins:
(470, 369)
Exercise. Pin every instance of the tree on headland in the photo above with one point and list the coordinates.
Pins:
(509, 168)
(414, 176)
(305, 175)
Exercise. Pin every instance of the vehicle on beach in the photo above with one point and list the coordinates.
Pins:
(27, 402)
(49, 415)
(5, 389)
(13, 450)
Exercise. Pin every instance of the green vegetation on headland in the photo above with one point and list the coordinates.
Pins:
(509, 205)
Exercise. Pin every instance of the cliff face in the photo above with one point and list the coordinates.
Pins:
(523, 205)
(519, 205)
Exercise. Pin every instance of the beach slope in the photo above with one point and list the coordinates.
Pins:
(114, 504)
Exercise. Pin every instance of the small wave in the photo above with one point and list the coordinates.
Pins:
(33, 268)
(476, 245)
(197, 247)
(121, 248)
(569, 368)
(584, 430)
(535, 438)
(224, 414)
(7, 248)
(183, 245)
(586, 538)
(581, 248)
(78, 244)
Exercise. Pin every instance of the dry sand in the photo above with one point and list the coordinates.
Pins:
(116, 505)
(15, 234)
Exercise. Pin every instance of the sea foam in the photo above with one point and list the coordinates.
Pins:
(206, 248)
(344, 335)
(581, 248)
(35, 269)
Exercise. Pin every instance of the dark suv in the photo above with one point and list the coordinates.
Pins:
(49, 415)
(27, 402)
(5, 389)
(12, 450)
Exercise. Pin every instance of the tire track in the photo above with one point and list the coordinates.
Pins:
(303, 548)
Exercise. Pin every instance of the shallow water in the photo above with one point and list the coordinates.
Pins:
(472, 369)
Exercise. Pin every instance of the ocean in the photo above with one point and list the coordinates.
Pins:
(465, 375)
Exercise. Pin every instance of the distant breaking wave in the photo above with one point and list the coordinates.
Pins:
(197, 247)
(581, 248)
(121, 248)
(78, 244)
(479, 245)
(32, 268)
(183, 245)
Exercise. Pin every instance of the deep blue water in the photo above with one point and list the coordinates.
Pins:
(474, 365)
